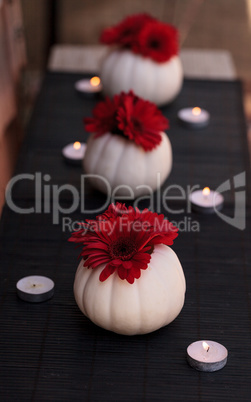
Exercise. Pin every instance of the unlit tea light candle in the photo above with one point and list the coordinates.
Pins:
(206, 201)
(207, 355)
(35, 288)
(74, 152)
(89, 86)
(194, 117)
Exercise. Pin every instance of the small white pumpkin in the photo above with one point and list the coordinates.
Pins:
(159, 83)
(123, 163)
(151, 302)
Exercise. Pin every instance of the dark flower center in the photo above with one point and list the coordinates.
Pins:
(137, 125)
(122, 249)
(154, 44)
(128, 31)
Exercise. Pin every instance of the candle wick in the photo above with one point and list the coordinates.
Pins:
(34, 285)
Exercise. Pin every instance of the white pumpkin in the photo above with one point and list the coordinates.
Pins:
(151, 302)
(122, 163)
(159, 83)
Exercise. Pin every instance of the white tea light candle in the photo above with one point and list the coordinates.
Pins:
(35, 288)
(207, 356)
(206, 201)
(89, 86)
(74, 152)
(194, 117)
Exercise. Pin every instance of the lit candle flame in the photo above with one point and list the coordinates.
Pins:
(196, 111)
(95, 81)
(205, 346)
(206, 191)
(77, 145)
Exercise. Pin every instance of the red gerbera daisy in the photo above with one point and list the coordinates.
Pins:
(131, 116)
(141, 121)
(123, 241)
(125, 33)
(158, 41)
(145, 35)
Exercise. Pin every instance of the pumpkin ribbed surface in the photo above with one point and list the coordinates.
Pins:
(152, 301)
(123, 70)
(122, 162)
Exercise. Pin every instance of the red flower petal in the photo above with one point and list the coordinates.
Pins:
(130, 278)
(104, 117)
(127, 264)
(122, 272)
(107, 271)
(136, 272)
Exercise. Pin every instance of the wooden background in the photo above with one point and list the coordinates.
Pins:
(203, 24)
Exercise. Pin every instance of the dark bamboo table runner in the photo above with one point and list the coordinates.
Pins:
(50, 351)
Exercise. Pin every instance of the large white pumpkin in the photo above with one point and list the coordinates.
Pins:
(159, 83)
(123, 163)
(151, 302)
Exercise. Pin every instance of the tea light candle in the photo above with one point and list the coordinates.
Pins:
(89, 86)
(206, 201)
(35, 288)
(207, 355)
(74, 152)
(194, 117)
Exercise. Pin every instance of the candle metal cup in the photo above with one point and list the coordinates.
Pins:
(206, 204)
(74, 155)
(35, 289)
(194, 118)
(208, 359)
(85, 88)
